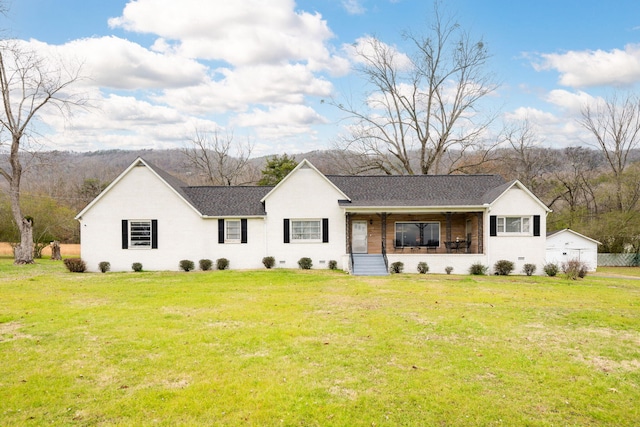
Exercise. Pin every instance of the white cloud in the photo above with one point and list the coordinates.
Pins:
(370, 47)
(280, 121)
(595, 67)
(239, 32)
(122, 122)
(113, 62)
(353, 7)
(572, 102)
(235, 90)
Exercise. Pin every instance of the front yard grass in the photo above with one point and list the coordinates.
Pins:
(315, 348)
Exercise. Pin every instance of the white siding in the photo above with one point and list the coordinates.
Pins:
(305, 194)
(518, 249)
(566, 245)
(182, 232)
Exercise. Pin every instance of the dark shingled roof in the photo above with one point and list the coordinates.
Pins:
(374, 191)
(218, 200)
(228, 201)
(419, 190)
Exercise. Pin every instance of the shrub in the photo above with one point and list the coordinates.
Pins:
(75, 265)
(205, 264)
(574, 269)
(397, 267)
(222, 263)
(551, 269)
(305, 263)
(187, 265)
(477, 269)
(333, 264)
(136, 266)
(269, 261)
(529, 269)
(104, 266)
(503, 267)
(448, 269)
(423, 267)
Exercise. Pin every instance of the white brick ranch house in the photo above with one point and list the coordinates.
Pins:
(148, 216)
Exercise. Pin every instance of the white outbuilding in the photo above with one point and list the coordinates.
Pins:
(566, 245)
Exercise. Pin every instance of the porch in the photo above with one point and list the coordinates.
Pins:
(389, 234)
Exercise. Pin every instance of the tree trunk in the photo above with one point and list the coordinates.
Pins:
(24, 251)
(55, 251)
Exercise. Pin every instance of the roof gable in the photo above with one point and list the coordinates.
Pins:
(170, 181)
(497, 193)
(568, 230)
(304, 164)
(207, 201)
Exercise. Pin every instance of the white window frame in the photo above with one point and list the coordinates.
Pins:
(307, 235)
(395, 232)
(503, 223)
(232, 236)
(140, 231)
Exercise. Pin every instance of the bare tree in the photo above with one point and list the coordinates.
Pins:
(28, 85)
(528, 160)
(574, 182)
(420, 107)
(220, 160)
(615, 125)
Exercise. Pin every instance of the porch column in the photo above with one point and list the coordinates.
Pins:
(448, 236)
(383, 231)
(480, 233)
(348, 232)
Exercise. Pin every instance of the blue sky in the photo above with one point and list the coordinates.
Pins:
(160, 69)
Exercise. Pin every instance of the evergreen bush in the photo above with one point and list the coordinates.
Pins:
(423, 267)
(136, 266)
(551, 269)
(269, 261)
(222, 263)
(397, 267)
(187, 265)
(104, 266)
(305, 263)
(205, 264)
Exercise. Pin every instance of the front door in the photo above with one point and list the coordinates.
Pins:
(359, 237)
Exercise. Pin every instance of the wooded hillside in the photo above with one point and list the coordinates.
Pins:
(574, 182)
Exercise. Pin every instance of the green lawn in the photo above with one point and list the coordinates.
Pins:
(315, 348)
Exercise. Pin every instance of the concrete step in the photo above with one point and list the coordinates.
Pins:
(369, 265)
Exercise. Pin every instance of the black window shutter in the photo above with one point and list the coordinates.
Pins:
(493, 225)
(536, 225)
(125, 234)
(220, 230)
(154, 234)
(325, 230)
(243, 230)
(286, 230)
